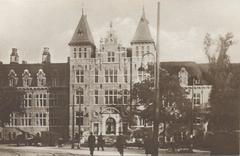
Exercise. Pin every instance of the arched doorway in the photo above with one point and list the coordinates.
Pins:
(110, 126)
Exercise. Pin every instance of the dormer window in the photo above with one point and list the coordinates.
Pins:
(41, 78)
(183, 77)
(13, 79)
(26, 77)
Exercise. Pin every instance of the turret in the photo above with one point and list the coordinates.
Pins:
(46, 57)
(142, 41)
(82, 43)
(14, 58)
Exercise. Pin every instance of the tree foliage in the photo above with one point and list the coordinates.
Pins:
(10, 101)
(224, 97)
(174, 105)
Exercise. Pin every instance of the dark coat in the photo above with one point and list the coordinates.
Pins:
(100, 140)
(91, 141)
(120, 142)
(148, 146)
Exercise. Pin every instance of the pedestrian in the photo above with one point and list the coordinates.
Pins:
(120, 143)
(91, 143)
(148, 145)
(172, 143)
(100, 142)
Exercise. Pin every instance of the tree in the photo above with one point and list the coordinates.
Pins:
(10, 101)
(224, 76)
(174, 105)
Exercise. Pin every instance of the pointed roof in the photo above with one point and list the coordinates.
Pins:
(142, 34)
(82, 34)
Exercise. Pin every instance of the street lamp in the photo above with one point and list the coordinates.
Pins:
(156, 86)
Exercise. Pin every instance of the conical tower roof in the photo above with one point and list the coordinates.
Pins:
(142, 34)
(82, 34)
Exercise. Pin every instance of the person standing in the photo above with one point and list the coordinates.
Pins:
(91, 143)
(120, 143)
(100, 142)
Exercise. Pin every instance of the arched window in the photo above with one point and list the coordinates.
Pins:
(110, 126)
(12, 77)
(41, 78)
(26, 77)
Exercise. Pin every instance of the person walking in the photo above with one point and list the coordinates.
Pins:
(148, 145)
(100, 142)
(120, 143)
(91, 143)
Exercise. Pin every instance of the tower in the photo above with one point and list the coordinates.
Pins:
(46, 57)
(82, 51)
(142, 41)
(141, 44)
(82, 43)
(14, 58)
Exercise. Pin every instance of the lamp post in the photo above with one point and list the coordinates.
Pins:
(73, 121)
(156, 87)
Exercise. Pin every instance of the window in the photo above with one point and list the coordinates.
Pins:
(27, 100)
(125, 75)
(148, 48)
(41, 119)
(96, 75)
(111, 56)
(75, 49)
(125, 96)
(196, 99)
(79, 76)
(85, 49)
(111, 97)
(85, 55)
(80, 55)
(41, 78)
(52, 99)
(26, 119)
(41, 100)
(111, 75)
(137, 53)
(141, 75)
(26, 77)
(96, 97)
(74, 54)
(12, 76)
(13, 119)
(79, 97)
(80, 49)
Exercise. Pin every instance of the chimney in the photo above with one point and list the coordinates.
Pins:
(14, 58)
(46, 57)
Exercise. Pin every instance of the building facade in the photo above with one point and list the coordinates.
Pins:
(88, 93)
(46, 92)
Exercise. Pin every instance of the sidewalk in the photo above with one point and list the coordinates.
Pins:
(109, 151)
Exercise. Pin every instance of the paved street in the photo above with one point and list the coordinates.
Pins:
(12, 150)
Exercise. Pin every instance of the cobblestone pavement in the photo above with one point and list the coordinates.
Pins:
(11, 150)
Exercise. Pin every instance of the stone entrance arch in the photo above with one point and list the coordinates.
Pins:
(110, 121)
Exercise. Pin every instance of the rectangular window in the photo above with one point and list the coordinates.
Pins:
(96, 97)
(80, 55)
(85, 55)
(196, 99)
(41, 119)
(125, 75)
(79, 76)
(111, 56)
(141, 75)
(96, 75)
(125, 96)
(79, 97)
(111, 97)
(111, 75)
(74, 54)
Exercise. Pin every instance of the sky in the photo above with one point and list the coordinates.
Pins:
(30, 25)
